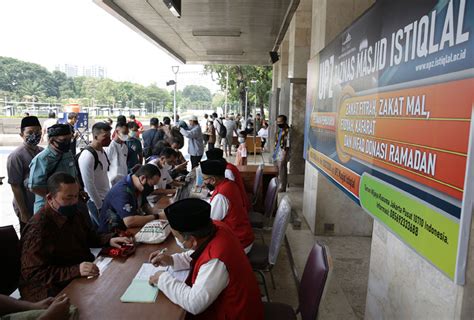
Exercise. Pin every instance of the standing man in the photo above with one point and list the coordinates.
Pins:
(258, 123)
(151, 137)
(48, 123)
(134, 145)
(55, 243)
(18, 168)
(122, 207)
(218, 124)
(231, 128)
(226, 202)
(57, 157)
(221, 283)
(72, 120)
(93, 166)
(117, 152)
(282, 149)
(195, 141)
(139, 124)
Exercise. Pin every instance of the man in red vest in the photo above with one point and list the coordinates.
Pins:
(231, 173)
(221, 283)
(226, 202)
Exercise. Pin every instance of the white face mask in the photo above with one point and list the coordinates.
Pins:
(180, 244)
(123, 137)
(241, 140)
(167, 166)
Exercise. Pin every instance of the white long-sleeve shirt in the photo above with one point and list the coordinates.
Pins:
(219, 208)
(229, 175)
(117, 153)
(96, 182)
(212, 278)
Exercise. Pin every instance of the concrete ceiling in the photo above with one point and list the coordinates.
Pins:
(209, 31)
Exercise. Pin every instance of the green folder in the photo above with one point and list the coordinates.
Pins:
(140, 291)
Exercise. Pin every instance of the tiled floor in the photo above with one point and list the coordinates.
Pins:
(347, 290)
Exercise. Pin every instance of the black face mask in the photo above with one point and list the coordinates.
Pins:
(68, 211)
(210, 187)
(147, 189)
(281, 125)
(63, 146)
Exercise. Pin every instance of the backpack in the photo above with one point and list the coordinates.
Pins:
(222, 129)
(96, 161)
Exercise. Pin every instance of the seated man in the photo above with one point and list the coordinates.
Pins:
(226, 202)
(221, 283)
(55, 243)
(122, 207)
(231, 173)
(165, 161)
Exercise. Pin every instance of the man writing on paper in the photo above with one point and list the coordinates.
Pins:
(55, 243)
(122, 207)
(226, 202)
(221, 283)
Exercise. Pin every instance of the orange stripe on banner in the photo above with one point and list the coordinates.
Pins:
(342, 175)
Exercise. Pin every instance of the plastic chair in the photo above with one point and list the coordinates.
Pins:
(10, 248)
(311, 289)
(263, 257)
(260, 220)
(257, 182)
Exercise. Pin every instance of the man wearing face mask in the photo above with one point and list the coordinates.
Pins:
(231, 173)
(226, 202)
(57, 157)
(195, 142)
(117, 152)
(18, 168)
(282, 150)
(55, 243)
(134, 145)
(122, 207)
(166, 159)
(93, 166)
(221, 283)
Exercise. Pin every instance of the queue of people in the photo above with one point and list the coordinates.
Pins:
(68, 203)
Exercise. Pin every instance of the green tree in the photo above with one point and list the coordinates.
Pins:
(197, 93)
(240, 77)
(31, 90)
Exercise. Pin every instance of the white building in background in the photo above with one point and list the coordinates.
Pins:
(94, 71)
(69, 69)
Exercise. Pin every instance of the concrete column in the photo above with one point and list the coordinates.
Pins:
(299, 34)
(402, 285)
(274, 105)
(283, 82)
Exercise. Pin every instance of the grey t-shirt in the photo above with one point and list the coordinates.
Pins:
(18, 169)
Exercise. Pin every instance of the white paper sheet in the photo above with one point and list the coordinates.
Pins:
(147, 270)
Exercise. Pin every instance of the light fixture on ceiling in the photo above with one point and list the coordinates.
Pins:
(174, 6)
(217, 33)
(225, 52)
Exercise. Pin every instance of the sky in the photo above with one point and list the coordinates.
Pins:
(78, 32)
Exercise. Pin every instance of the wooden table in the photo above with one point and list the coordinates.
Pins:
(248, 175)
(99, 298)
